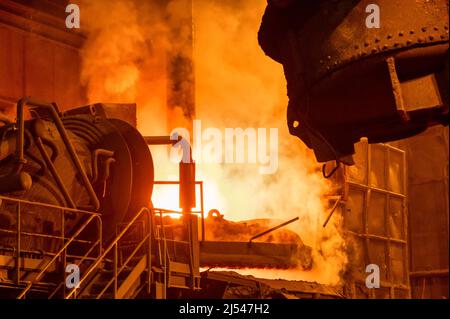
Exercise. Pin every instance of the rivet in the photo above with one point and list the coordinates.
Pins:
(443, 36)
(408, 42)
(389, 36)
(445, 27)
(385, 47)
(396, 44)
(419, 40)
(436, 28)
(374, 50)
(424, 29)
(400, 33)
(321, 61)
(356, 47)
(377, 40)
(366, 44)
(329, 57)
(431, 37)
(411, 32)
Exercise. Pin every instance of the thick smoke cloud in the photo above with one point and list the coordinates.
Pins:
(236, 86)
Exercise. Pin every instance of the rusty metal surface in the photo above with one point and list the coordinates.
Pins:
(244, 254)
(375, 220)
(230, 284)
(336, 35)
(347, 81)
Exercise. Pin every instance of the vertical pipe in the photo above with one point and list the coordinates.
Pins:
(366, 210)
(164, 260)
(115, 270)
(20, 130)
(387, 163)
(202, 211)
(100, 237)
(76, 161)
(55, 175)
(165, 266)
(18, 244)
(63, 237)
(405, 208)
(149, 250)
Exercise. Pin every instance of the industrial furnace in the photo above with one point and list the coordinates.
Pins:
(109, 189)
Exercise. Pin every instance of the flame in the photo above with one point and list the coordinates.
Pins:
(236, 86)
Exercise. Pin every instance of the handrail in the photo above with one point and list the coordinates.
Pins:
(124, 265)
(107, 250)
(67, 209)
(201, 212)
(67, 240)
(80, 241)
(60, 252)
(85, 257)
(165, 251)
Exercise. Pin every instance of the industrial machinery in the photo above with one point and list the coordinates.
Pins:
(75, 196)
(349, 78)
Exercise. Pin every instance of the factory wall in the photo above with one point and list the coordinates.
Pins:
(374, 208)
(39, 56)
(427, 160)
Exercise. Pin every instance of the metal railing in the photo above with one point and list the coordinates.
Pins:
(61, 254)
(187, 243)
(95, 260)
(114, 247)
(201, 212)
(118, 271)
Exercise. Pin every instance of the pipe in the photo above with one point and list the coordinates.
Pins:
(54, 173)
(20, 129)
(52, 146)
(187, 184)
(60, 126)
(332, 211)
(41, 163)
(273, 228)
(96, 154)
(15, 180)
(160, 140)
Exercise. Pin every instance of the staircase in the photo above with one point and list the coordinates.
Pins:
(25, 272)
(144, 260)
(139, 264)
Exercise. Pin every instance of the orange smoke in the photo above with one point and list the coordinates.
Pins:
(236, 86)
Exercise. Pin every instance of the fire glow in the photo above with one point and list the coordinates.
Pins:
(236, 86)
(233, 146)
